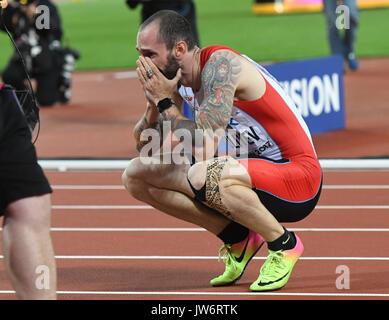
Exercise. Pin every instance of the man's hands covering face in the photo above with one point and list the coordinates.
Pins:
(155, 85)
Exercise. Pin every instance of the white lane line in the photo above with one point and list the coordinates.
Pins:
(143, 207)
(120, 187)
(87, 187)
(212, 293)
(204, 293)
(357, 186)
(128, 229)
(342, 165)
(101, 207)
(216, 258)
(341, 229)
(105, 257)
(61, 229)
(131, 74)
(352, 207)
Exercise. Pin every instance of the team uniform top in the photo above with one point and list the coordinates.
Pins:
(272, 124)
(282, 160)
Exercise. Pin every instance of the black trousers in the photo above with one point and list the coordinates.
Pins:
(47, 77)
(20, 174)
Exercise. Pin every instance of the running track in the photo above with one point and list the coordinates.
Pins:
(110, 246)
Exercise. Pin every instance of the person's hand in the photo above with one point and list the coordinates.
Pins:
(155, 85)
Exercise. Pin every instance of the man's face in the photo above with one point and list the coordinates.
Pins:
(30, 9)
(172, 67)
(148, 46)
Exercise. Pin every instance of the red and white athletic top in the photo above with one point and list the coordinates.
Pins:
(272, 125)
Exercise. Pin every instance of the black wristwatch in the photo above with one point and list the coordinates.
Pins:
(164, 104)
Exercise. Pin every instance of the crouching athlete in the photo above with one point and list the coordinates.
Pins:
(242, 199)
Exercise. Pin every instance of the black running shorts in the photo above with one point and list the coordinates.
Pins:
(20, 174)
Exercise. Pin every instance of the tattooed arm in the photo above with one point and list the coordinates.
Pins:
(150, 119)
(219, 79)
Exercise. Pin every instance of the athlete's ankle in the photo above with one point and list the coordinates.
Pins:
(286, 241)
(233, 233)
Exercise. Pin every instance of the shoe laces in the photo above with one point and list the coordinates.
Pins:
(274, 264)
(227, 256)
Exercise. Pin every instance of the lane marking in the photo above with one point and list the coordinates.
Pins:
(101, 207)
(120, 164)
(352, 207)
(356, 186)
(87, 187)
(228, 293)
(342, 229)
(154, 257)
(143, 207)
(131, 74)
(128, 229)
(119, 187)
(216, 258)
(61, 229)
(212, 293)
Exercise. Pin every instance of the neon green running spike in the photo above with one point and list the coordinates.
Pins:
(276, 270)
(236, 259)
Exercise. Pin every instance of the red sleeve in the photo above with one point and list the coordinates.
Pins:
(207, 52)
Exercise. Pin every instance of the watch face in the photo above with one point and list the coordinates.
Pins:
(165, 104)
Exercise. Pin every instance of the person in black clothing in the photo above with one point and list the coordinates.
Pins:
(185, 8)
(25, 204)
(49, 63)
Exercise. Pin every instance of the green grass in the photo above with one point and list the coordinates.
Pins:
(106, 34)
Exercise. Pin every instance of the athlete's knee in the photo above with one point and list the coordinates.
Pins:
(133, 186)
(131, 175)
(136, 179)
(134, 170)
(126, 180)
(213, 169)
(197, 175)
(204, 179)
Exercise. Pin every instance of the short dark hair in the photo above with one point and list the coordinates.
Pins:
(173, 27)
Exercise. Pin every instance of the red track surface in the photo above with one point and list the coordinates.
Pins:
(134, 264)
(138, 265)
